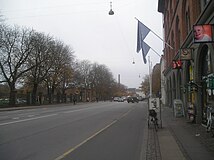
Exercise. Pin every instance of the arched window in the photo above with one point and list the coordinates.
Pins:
(206, 61)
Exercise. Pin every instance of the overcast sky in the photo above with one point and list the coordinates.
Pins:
(93, 34)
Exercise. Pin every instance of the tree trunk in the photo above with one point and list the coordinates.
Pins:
(34, 93)
(13, 92)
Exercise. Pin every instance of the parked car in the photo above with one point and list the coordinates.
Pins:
(116, 98)
(120, 99)
(132, 99)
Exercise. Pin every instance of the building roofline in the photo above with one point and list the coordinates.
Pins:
(161, 6)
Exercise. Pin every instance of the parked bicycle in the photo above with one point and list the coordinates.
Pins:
(210, 119)
(153, 118)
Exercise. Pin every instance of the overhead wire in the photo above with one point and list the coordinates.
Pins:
(123, 35)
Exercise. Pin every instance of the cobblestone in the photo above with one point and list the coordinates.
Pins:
(153, 149)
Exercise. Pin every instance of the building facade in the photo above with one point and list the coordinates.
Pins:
(188, 65)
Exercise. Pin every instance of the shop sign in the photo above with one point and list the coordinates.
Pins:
(77, 92)
(178, 108)
(185, 54)
(176, 64)
(203, 33)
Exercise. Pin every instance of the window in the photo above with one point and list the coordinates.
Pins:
(209, 67)
(188, 26)
(178, 36)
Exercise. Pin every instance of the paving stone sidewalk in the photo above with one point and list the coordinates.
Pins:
(153, 148)
(192, 140)
(178, 139)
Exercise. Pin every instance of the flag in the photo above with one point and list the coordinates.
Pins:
(142, 32)
(145, 50)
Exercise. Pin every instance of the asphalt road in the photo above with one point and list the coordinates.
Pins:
(91, 131)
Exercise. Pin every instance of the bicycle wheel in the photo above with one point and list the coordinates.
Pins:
(212, 128)
(148, 122)
(208, 126)
(155, 125)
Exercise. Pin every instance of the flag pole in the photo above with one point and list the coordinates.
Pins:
(157, 36)
(150, 78)
(153, 50)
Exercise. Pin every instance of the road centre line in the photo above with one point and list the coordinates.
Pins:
(92, 136)
(29, 119)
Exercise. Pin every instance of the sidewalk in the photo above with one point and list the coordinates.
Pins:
(180, 140)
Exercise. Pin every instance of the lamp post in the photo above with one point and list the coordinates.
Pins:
(111, 12)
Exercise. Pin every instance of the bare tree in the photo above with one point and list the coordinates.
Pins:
(61, 68)
(145, 87)
(16, 47)
(84, 68)
(42, 59)
(102, 80)
(83, 75)
(156, 80)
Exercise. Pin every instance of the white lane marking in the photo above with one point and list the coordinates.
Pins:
(31, 115)
(34, 118)
(29, 119)
(15, 118)
(75, 110)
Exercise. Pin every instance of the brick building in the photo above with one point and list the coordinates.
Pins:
(188, 66)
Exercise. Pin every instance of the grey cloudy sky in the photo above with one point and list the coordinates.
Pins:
(93, 34)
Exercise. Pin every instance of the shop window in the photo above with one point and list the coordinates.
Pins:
(207, 81)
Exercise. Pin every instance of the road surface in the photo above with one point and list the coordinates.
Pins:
(89, 131)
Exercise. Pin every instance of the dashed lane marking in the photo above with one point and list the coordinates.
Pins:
(24, 120)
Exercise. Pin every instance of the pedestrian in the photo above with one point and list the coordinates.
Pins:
(87, 99)
(74, 99)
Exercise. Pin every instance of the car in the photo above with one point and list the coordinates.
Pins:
(120, 99)
(116, 98)
(132, 99)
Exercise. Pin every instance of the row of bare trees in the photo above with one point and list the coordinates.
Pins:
(38, 62)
